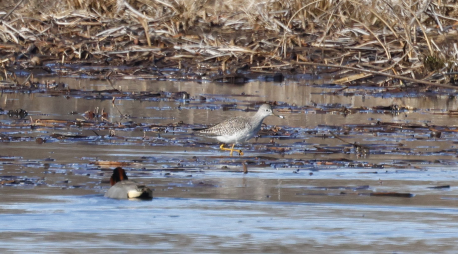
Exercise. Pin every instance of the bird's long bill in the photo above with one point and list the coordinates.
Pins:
(279, 116)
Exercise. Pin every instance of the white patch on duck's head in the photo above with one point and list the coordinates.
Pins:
(134, 193)
(140, 192)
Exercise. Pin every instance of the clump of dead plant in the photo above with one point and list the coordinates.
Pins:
(400, 38)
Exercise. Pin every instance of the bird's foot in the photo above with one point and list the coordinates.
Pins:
(230, 149)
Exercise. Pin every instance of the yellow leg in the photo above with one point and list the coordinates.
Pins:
(230, 149)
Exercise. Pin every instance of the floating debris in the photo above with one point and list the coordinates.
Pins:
(440, 187)
(19, 113)
(391, 194)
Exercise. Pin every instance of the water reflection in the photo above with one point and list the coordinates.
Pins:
(197, 113)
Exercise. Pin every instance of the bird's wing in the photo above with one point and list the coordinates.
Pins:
(228, 127)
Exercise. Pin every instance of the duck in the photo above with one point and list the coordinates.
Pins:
(123, 188)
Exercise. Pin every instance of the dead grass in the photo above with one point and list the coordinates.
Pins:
(412, 37)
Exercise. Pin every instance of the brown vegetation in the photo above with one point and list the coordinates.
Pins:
(205, 39)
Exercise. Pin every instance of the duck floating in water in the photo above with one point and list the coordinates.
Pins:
(123, 188)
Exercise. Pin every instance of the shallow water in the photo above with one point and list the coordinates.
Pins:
(295, 197)
(92, 223)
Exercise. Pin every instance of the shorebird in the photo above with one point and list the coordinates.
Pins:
(239, 129)
(122, 187)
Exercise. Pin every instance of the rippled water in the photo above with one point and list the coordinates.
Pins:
(97, 225)
(298, 201)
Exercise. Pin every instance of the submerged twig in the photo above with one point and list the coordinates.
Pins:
(363, 147)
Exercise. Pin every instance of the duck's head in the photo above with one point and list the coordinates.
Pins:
(118, 175)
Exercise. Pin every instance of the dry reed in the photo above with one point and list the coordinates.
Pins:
(416, 39)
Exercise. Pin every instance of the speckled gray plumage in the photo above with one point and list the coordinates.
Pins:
(239, 129)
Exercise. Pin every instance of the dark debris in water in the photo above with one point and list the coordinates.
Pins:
(364, 190)
(392, 194)
(20, 181)
(353, 188)
(440, 187)
(18, 113)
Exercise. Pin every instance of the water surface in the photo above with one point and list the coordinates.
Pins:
(305, 191)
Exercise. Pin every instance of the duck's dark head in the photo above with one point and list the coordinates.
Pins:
(118, 175)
